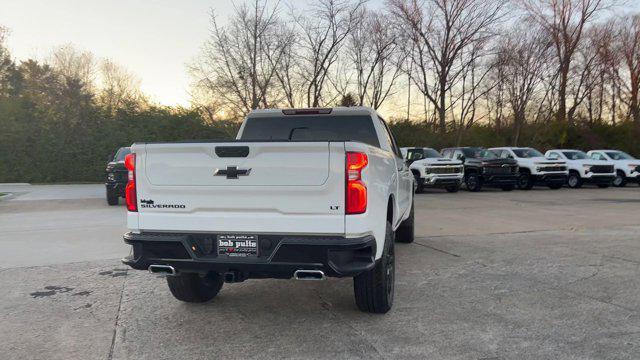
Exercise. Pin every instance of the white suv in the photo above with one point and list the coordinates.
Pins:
(583, 169)
(627, 167)
(535, 168)
(430, 169)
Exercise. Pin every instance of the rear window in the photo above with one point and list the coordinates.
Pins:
(312, 128)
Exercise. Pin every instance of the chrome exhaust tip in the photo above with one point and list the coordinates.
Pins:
(309, 275)
(162, 269)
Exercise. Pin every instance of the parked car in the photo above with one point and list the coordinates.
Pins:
(583, 169)
(534, 167)
(627, 167)
(483, 168)
(431, 169)
(116, 176)
(301, 193)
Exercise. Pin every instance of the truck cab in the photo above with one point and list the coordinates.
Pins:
(626, 166)
(431, 169)
(301, 193)
(534, 167)
(583, 169)
(483, 168)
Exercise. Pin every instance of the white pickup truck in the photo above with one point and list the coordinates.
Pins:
(301, 193)
(627, 167)
(431, 169)
(535, 168)
(583, 169)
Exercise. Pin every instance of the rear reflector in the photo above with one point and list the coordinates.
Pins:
(130, 190)
(356, 190)
(312, 111)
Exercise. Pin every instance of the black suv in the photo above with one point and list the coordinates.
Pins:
(483, 168)
(117, 176)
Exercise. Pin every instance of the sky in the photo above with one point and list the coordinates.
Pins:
(153, 39)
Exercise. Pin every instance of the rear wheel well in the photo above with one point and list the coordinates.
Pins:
(390, 210)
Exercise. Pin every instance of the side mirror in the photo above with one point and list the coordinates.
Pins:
(418, 156)
(462, 158)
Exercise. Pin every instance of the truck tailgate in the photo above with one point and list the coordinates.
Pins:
(241, 187)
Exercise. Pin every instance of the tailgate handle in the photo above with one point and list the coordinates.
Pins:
(232, 151)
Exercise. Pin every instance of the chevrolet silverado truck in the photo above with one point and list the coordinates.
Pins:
(627, 167)
(483, 168)
(300, 193)
(116, 174)
(430, 169)
(535, 168)
(583, 169)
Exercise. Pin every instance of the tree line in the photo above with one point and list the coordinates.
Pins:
(447, 64)
(544, 73)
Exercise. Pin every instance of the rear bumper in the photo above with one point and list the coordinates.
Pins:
(279, 256)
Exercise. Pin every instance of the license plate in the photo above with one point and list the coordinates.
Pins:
(238, 245)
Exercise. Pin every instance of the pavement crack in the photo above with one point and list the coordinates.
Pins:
(622, 259)
(436, 249)
(115, 325)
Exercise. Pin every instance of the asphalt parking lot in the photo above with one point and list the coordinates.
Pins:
(539, 274)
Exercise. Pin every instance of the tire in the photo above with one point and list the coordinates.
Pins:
(473, 182)
(603, 186)
(193, 288)
(554, 186)
(418, 186)
(620, 180)
(507, 187)
(525, 182)
(405, 232)
(112, 199)
(374, 289)
(574, 180)
(452, 188)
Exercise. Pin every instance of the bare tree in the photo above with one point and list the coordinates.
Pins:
(239, 61)
(74, 65)
(6, 64)
(521, 59)
(564, 21)
(118, 87)
(287, 66)
(474, 84)
(324, 30)
(440, 31)
(629, 47)
(373, 51)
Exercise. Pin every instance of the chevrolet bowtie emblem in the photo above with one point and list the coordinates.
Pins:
(231, 172)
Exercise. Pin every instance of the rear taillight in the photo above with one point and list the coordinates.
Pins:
(130, 191)
(356, 191)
